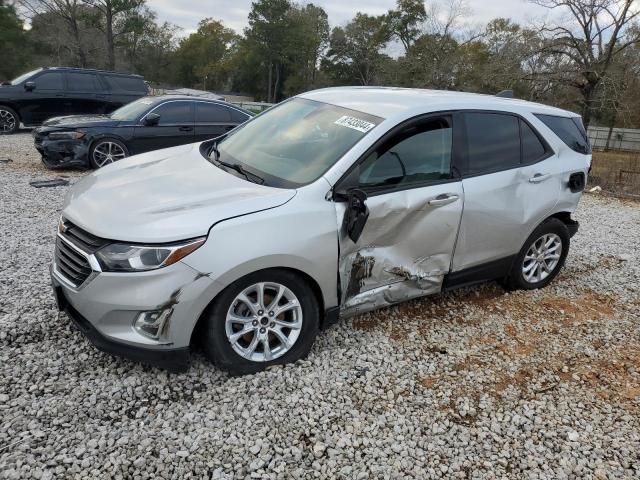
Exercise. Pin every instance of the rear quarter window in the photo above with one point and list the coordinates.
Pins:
(569, 130)
(125, 84)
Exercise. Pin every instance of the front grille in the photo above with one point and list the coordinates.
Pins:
(82, 239)
(72, 264)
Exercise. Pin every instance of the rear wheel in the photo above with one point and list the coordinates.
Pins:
(106, 151)
(9, 121)
(541, 257)
(266, 318)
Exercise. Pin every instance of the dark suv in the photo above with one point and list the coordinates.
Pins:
(36, 96)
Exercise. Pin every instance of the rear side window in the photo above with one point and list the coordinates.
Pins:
(212, 113)
(82, 82)
(493, 141)
(175, 112)
(532, 147)
(238, 116)
(126, 84)
(49, 81)
(571, 132)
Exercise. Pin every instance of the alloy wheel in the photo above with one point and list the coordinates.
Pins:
(264, 321)
(107, 152)
(7, 121)
(542, 258)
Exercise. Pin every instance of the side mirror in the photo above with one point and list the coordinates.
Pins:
(356, 214)
(152, 119)
(29, 86)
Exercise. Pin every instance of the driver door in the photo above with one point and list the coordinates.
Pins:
(414, 205)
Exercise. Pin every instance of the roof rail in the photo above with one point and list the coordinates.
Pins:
(505, 94)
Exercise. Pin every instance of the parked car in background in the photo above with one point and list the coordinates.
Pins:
(335, 202)
(41, 94)
(149, 123)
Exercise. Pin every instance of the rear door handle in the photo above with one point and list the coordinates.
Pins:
(185, 129)
(443, 199)
(539, 177)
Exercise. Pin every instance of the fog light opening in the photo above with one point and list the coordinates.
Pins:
(153, 324)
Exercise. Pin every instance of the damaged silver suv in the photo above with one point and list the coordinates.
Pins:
(335, 202)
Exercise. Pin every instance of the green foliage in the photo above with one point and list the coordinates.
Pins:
(16, 50)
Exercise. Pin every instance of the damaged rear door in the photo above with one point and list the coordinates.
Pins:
(399, 210)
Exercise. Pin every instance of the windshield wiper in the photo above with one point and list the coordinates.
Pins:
(235, 166)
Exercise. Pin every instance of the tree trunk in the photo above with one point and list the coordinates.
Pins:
(276, 84)
(75, 32)
(269, 84)
(611, 125)
(111, 53)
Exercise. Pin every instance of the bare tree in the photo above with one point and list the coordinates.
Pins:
(597, 33)
(69, 11)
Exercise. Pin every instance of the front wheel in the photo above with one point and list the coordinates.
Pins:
(106, 151)
(9, 121)
(541, 257)
(268, 317)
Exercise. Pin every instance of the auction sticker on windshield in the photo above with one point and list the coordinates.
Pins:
(355, 123)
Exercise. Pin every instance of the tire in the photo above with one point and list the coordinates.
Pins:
(9, 120)
(528, 271)
(247, 353)
(99, 152)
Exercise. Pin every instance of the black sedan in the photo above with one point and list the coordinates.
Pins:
(149, 123)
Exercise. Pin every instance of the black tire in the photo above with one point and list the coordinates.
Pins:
(516, 279)
(93, 162)
(217, 346)
(5, 114)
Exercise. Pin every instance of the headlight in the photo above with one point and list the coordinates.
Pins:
(66, 135)
(120, 257)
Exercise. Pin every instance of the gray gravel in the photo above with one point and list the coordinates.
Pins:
(472, 384)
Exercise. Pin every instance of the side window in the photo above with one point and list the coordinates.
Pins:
(570, 132)
(212, 113)
(493, 141)
(82, 82)
(418, 155)
(49, 81)
(126, 84)
(238, 116)
(175, 112)
(532, 148)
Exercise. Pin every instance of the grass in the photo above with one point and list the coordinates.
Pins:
(616, 172)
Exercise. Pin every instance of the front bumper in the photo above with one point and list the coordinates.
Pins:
(106, 306)
(62, 153)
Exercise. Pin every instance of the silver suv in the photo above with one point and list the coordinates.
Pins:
(332, 203)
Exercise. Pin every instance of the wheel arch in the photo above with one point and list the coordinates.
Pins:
(311, 282)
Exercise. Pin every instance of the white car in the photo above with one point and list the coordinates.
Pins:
(334, 202)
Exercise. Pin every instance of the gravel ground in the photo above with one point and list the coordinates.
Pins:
(473, 384)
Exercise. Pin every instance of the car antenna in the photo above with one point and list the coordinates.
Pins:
(505, 94)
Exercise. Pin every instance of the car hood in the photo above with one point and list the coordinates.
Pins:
(164, 196)
(79, 121)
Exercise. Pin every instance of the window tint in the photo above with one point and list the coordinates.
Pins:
(127, 84)
(238, 116)
(211, 113)
(532, 147)
(570, 132)
(493, 140)
(420, 154)
(174, 112)
(49, 81)
(82, 82)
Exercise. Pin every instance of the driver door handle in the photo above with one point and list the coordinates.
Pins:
(185, 129)
(443, 199)
(539, 177)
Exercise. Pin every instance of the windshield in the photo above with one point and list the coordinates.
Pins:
(132, 111)
(23, 77)
(296, 142)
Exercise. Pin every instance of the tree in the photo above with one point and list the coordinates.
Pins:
(405, 21)
(15, 52)
(355, 51)
(588, 45)
(114, 18)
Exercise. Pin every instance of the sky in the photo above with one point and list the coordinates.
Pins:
(187, 13)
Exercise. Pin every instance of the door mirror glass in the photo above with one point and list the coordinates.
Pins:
(356, 214)
(29, 86)
(152, 119)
